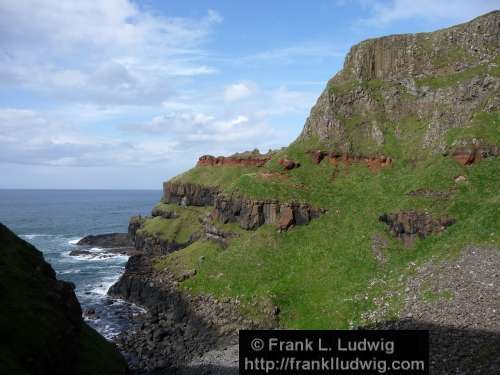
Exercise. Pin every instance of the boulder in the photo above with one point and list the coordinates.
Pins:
(409, 225)
(75, 253)
(286, 219)
(288, 164)
(108, 240)
(467, 155)
(317, 156)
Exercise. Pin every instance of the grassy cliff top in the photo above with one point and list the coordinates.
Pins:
(316, 273)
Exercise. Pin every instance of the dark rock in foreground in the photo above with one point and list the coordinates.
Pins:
(410, 225)
(41, 320)
(108, 240)
(76, 253)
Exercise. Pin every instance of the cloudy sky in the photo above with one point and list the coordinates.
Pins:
(126, 94)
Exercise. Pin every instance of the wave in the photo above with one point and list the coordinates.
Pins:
(34, 235)
(70, 271)
(106, 283)
(75, 240)
(96, 256)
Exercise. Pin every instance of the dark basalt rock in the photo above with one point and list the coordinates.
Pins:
(251, 214)
(215, 234)
(164, 214)
(288, 164)
(42, 327)
(134, 225)
(317, 155)
(177, 327)
(108, 240)
(189, 194)
(76, 253)
(153, 245)
(409, 225)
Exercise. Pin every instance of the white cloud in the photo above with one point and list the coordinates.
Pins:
(28, 137)
(239, 91)
(94, 52)
(385, 12)
(195, 127)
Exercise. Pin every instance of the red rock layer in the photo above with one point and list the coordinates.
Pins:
(470, 154)
(374, 163)
(251, 161)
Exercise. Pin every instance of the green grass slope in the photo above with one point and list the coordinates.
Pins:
(316, 273)
(325, 274)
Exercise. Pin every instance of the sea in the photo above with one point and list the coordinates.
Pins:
(55, 220)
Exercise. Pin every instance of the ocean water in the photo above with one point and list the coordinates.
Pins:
(54, 220)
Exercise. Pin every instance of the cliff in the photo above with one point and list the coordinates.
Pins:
(41, 319)
(396, 166)
(426, 91)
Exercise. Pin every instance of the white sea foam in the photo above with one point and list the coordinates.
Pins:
(34, 235)
(70, 271)
(103, 287)
(75, 240)
(96, 254)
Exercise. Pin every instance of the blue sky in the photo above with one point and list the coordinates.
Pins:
(126, 94)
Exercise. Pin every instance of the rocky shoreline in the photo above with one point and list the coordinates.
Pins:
(178, 330)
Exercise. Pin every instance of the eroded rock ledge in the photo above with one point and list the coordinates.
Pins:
(409, 225)
(153, 245)
(189, 194)
(374, 162)
(468, 155)
(242, 161)
(248, 213)
(251, 214)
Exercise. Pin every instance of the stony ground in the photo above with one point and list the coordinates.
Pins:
(459, 301)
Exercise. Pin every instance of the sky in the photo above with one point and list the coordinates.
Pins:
(123, 94)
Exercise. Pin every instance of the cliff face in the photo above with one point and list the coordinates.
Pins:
(251, 213)
(233, 208)
(413, 88)
(405, 135)
(189, 194)
(40, 319)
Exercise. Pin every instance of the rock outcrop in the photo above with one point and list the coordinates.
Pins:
(468, 155)
(248, 213)
(251, 214)
(240, 161)
(177, 327)
(288, 164)
(166, 214)
(411, 88)
(41, 319)
(108, 240)
(188, 194)
(213, 233)
(374, 163)
(409, 225)
(150, 244)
